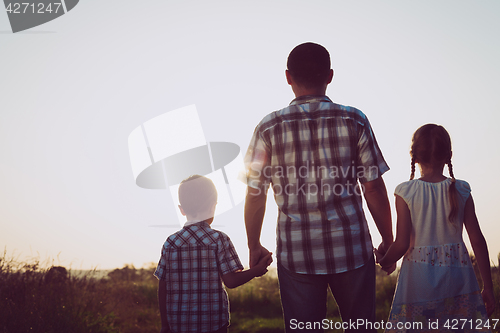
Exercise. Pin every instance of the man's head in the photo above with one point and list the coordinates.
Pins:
(309, 66)
(197, 197)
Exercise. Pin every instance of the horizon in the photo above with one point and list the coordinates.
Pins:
(73, 92)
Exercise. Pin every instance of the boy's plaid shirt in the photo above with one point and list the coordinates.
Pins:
(313, 153)
(191, 264)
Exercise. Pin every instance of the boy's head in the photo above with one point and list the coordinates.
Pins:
(197, 197)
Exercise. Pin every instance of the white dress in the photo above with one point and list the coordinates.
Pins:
(436, 284)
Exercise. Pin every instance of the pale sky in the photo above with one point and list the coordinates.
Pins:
(73, 89)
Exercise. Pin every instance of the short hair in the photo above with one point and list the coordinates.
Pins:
(309, 64)
(197, 194)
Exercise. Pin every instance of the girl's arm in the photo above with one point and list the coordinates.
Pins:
(481, 252)
(403, 232)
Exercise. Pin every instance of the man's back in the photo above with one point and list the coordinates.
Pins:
(313, 152)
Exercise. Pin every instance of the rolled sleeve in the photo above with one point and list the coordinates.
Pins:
(370, 157)
(257, 161)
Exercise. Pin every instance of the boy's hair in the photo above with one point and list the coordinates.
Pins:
(197, 194)
(309, 65)
(431, 144)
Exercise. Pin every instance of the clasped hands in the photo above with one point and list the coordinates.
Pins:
(259, 253)
(379, 254)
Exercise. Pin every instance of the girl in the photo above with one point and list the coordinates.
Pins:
(437, 285)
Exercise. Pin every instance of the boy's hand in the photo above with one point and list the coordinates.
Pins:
(263, 263)
(256, 254)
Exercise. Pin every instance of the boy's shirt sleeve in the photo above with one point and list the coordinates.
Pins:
(226, 256)
(161, 269)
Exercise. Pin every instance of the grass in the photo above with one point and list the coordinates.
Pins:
(53, 300)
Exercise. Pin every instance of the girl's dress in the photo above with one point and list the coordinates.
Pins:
(437, 286)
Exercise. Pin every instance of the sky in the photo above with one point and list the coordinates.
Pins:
(72, 90)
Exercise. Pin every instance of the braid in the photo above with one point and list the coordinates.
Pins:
(450, 171)
(412, 175)
(453, 195)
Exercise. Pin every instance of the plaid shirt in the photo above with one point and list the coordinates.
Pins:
(313, 153)
(192, 263)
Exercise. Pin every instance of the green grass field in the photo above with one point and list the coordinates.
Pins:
(44, 300)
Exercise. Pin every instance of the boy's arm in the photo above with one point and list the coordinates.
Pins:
(481, 252)
(162, 302)
(236, 279)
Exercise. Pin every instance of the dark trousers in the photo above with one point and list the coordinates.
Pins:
(303, 298)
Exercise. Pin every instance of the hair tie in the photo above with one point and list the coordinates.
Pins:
(453, 180)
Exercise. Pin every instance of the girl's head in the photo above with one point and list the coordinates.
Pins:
(431, 145)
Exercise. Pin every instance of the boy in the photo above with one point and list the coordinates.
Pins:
(193, 262)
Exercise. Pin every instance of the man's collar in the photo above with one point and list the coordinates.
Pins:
(310, 99)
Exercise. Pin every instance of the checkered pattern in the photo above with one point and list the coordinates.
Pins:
(313, 153)
(192, 263)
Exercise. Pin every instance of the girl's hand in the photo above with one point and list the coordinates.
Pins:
(489, 301)
(389, 269)
(378, 255)
(378, 258)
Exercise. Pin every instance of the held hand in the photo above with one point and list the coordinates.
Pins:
(266, 260)
(256, 254)
(378, 257)
(263, 263)
(389, 269)
(489, 301)
(382, 248)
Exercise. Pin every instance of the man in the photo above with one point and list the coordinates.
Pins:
(313, 153)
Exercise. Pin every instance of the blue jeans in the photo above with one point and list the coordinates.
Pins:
(303, 298)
